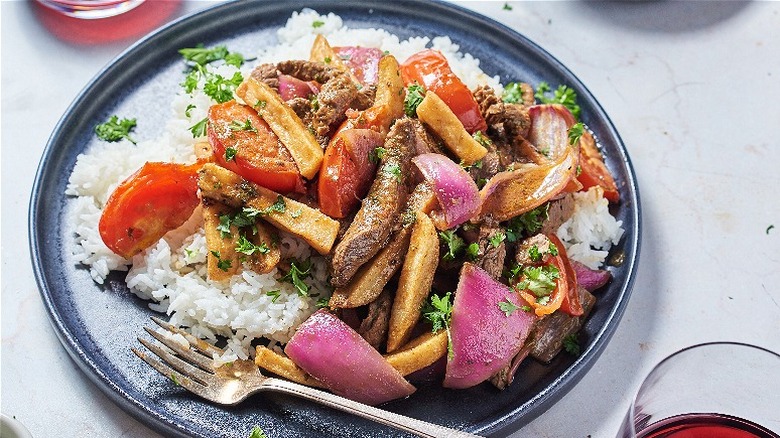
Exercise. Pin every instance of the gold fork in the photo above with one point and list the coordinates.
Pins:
(192, 367)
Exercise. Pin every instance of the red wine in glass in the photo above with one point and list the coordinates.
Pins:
(705, 426)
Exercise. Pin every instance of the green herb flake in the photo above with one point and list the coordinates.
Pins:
(296, 214)
(223, 265)
(393, 169)
(327, 60)
(563, 95)
(220, 88)
(323, 302)
(575, 133)
(414, 96)
(114, 129)
(513, 93)
(507, 7)
(482, 139)
(188, 110)
(230, 153)
(377, 154)
(235, 125)
(553, 250)
(534, 254)
(525, 308)
(297, 273)
(454, 243)
(199, 129)
(245, 246)
(472, 251)
(507, 307)
(540, 280)
(530, 223)
(496, 239)
(317, 24)
(201, 55)
(572, 345)
(175, 379)
(439, 312)
(224, 225)
(257, 433)
(769, 228)
(274, 294)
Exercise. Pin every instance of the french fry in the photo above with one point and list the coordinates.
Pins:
(389, 98)
(266, 236)
(283, 366)
(321, 51)
(421, 352)
(222, 259)
(317, 229)
(303, 147)
(439, 117)
(415, 281)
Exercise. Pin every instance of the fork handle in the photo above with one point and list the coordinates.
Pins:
(417, 427)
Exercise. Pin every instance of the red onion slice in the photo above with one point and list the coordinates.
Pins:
(457, 193)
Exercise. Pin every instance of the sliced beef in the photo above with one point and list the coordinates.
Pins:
(267, 73)
(559, 212)
(374, 327)
(492, 250)
(547, 335)
(424, 141)
(364, 98)
(381, 209)
(506, 121)
(541, 242)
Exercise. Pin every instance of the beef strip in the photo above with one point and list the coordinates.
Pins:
(491, 257)
(374, 327)
(547, 335)
(364, 98)
(425, 141)
(559, 212)
(267, 73)
(381, 209)
(541, 242)
(506, 121)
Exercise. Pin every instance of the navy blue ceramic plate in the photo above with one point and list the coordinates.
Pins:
(98, 325)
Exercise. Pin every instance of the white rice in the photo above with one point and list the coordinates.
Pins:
(172, 274)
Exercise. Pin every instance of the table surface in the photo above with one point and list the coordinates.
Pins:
(692, 87)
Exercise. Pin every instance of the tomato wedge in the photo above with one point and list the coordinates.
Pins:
(565, 292)
(593, 171)
(158, 198)
(571, 303)
(430, 69)
(346, 171)
(363, 62)
(244, 143)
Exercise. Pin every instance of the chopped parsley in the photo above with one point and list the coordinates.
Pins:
(317, 23)
(769, 228)
(513, 93)
(540, 280)
(274, 294)
(572, 345)
(327, 60)
(235, 125)
(245, 246)
(507, 7)
(575, 132)
(188, 110)
(472, 251)
(220, 88)
(496, 239)
(482, 139)
(200, 55)
(507, 307)
(453, 242)
(377, 154)
(476, 165)
(563, 95)
(536, 256)
(230, 153)
(296, 214)
(530, 222)
(222, 264)
(439, 312)
(414, 96)
(323, 302)
(393, 169)
(297, 273)
(257, 433)
(115, 129)
(199, 129)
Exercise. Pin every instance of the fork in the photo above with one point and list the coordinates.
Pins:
(192, 367)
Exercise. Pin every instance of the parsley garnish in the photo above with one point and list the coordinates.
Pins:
(540, 280)
(507, 307)
(414, 95)
(562, 95)
(530, 222)
(327, 60)
(188, 110)
(175, 379)
(235, 125)
(223, 265)
(575, 132)
(496, 239)
(472, 251)
(323, 302)
(482, 139)
(536, 256)
(317, 23)
(245, 246)
(200, 55)
(439, 312)
(230, 153)
(455, 244)
(571, 344)
(393, 169)
(199, 129)
(477, 164)
(297, 274)
(274, 294)
(258, 433)
(377, 154)
(513, 93)
(769, 228)
(220, 88)
(115, 129)
(507, 7)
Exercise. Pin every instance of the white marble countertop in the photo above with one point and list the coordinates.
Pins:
(693, 89)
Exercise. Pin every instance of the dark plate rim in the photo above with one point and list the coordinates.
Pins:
(498, 426)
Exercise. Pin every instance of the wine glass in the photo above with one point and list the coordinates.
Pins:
(718, 389)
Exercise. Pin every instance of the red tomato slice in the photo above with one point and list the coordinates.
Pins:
(593, 171)
(158, 198)
(244, 143)
(430, 69)
(363, 62)
(347, 171)
(571, 303)
(565, 286)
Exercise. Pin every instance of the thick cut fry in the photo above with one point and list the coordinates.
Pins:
(421, 352)
(222, 259)
(389, 98)
(415, 282)
(321, 51)
(283, 121)
(266, 237)
(283, 366)
(317, 229)
(439, 117)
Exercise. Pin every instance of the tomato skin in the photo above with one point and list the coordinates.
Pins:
(260, 156)
(430, 69)
(566, 295)
(571, 303)
(158, 198)
(593, 171)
